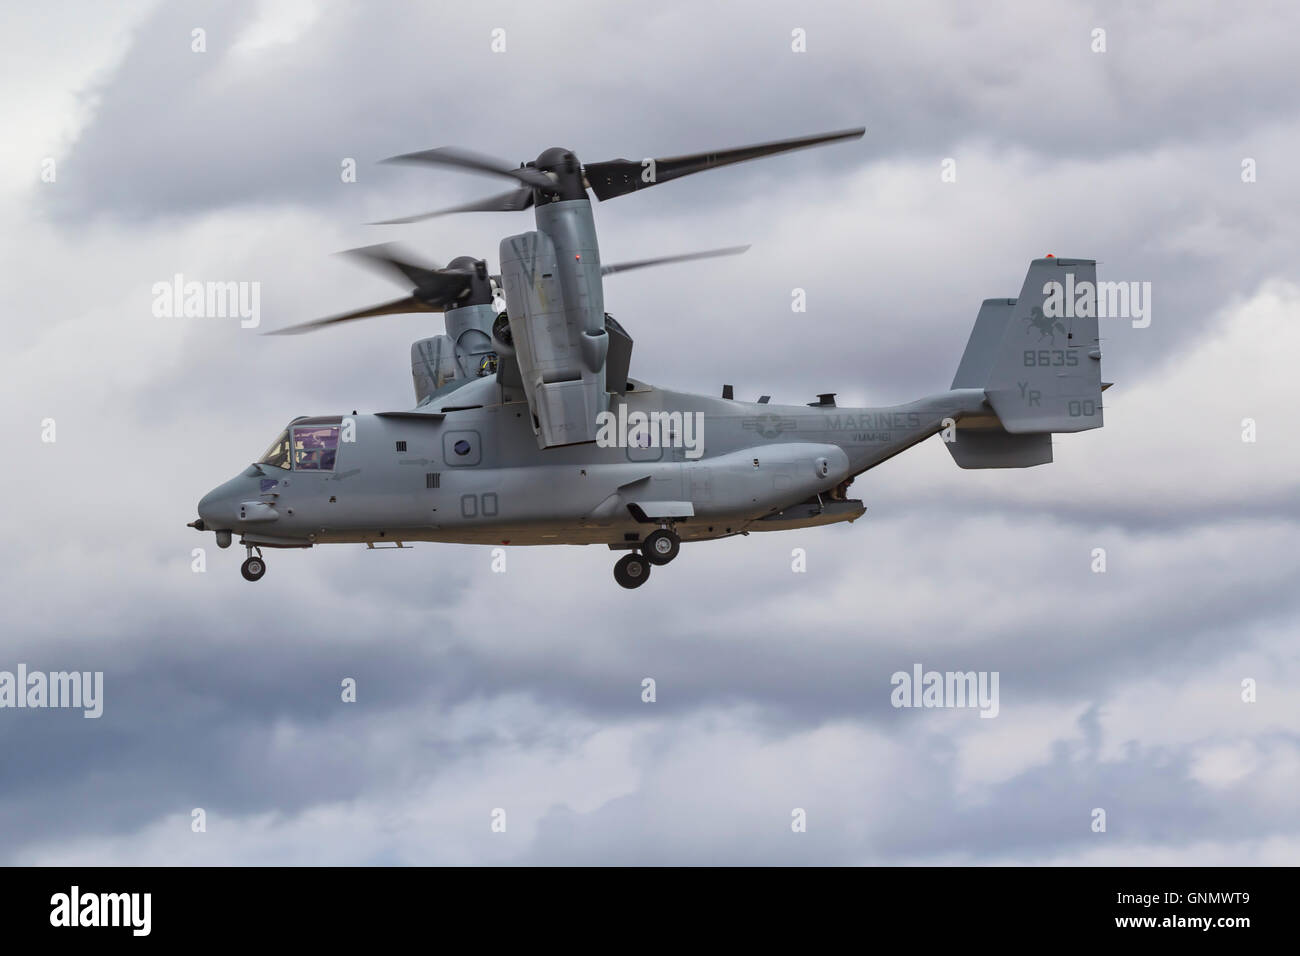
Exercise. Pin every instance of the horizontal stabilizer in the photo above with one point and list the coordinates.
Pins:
(995, 448)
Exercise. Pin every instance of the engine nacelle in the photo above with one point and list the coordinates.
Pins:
(466, 351)
(433, 364)
(470, 330)
(559, 338)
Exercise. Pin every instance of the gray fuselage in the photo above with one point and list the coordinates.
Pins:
(475, 475)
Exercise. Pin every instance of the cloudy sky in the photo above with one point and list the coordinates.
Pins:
(523, 691)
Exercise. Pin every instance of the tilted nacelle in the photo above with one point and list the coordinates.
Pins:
(557, 322)
(465, 352)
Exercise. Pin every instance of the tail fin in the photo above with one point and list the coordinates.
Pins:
(1046, 376)
(1038, 360)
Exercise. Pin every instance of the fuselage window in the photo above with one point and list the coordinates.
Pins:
(277, 456)
(314, 447)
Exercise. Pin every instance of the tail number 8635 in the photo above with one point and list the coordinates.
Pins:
(1051, 358)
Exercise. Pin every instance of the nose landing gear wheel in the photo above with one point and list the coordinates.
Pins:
(661, 546)
(253, 569)
(632, 570)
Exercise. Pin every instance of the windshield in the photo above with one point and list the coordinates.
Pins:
(277, 456)
(314, 447)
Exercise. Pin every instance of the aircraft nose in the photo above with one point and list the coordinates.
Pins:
(208, 507)
(217, 507)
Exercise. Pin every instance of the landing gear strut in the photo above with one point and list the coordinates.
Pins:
(254, 567)
(632, 570)
(661, 546)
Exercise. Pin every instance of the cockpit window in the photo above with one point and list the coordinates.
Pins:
(277, 456)
(314, 447)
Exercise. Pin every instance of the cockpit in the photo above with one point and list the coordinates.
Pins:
(308, 444)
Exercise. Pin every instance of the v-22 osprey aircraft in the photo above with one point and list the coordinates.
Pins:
(529, 430)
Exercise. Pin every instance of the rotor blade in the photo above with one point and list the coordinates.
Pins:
(617, 177)
(387, 258)
(664, 260)
(477, 163)
(436, 287)
(512, 201)
(396, 307)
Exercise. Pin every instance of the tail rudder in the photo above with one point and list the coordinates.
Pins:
(982, 348)
(1046, 375)
(1038, 360)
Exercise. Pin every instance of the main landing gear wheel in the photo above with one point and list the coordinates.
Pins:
(632, 570)
(253, 568)
(661, 546)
